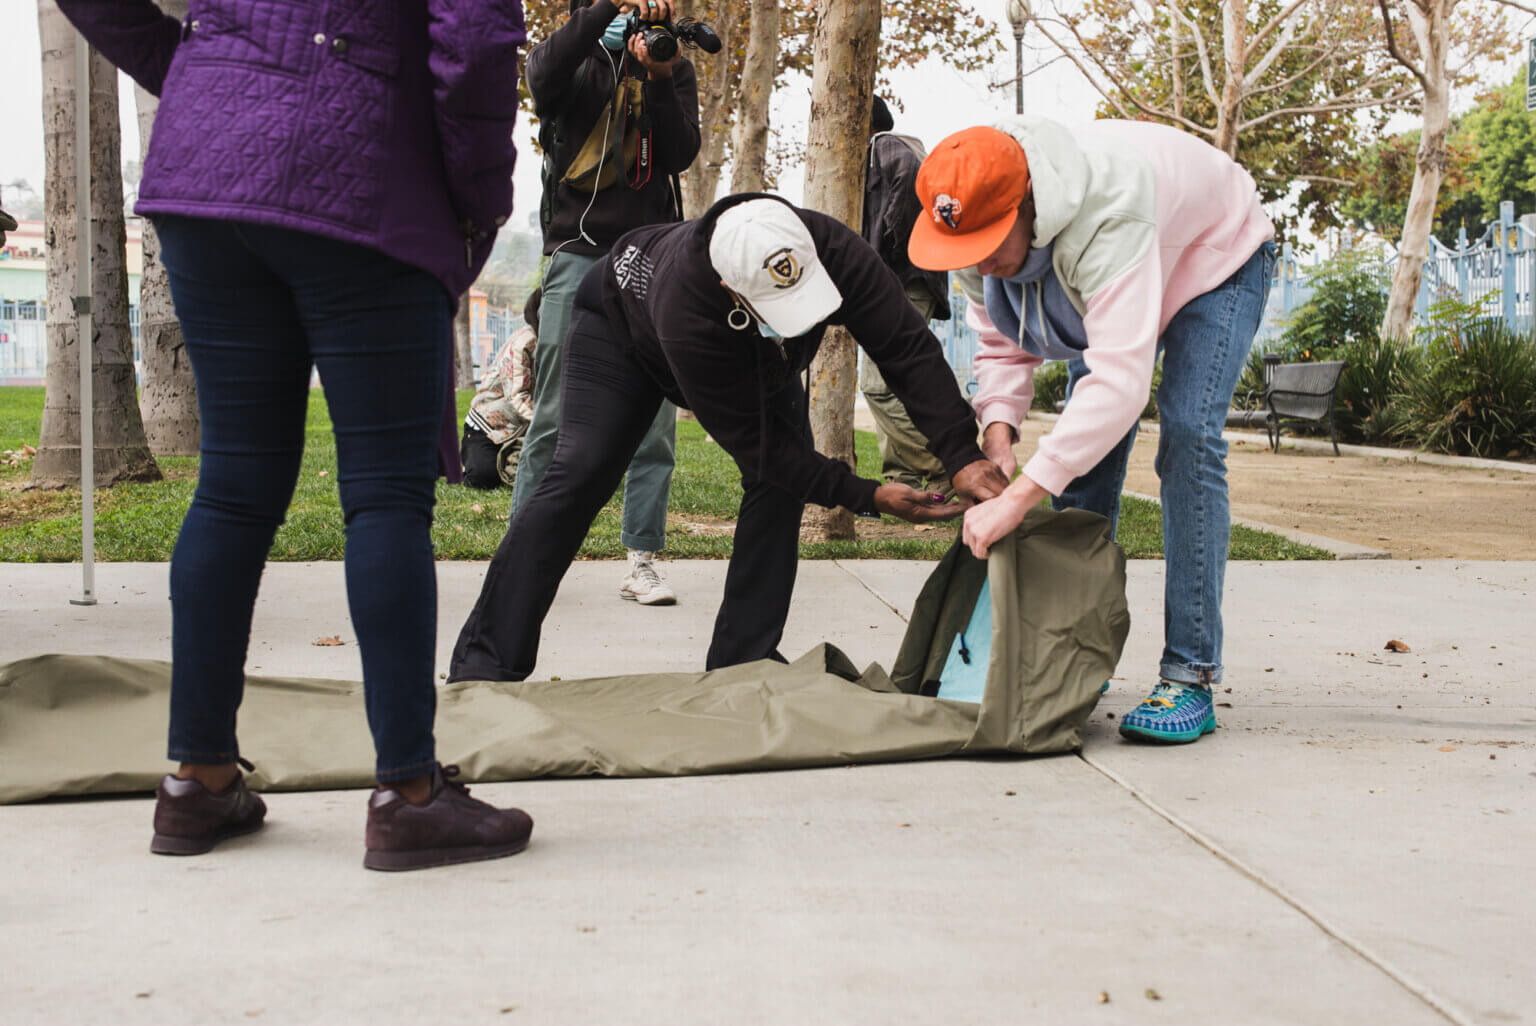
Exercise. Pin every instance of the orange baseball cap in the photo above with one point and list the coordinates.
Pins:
(970, 186)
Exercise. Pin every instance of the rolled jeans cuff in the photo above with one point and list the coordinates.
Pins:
(1203, 674)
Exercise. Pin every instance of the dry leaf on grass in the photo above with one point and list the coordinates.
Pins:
(331, 641)
(1397, 646)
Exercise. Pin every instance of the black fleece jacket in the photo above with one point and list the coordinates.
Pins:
(571, 78)
(664, 300)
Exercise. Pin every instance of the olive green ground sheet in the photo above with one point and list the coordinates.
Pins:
(96, 725)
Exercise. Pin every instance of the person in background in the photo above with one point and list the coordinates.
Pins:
(616, 127)
(890, 209)
(315, 211)
(1107, 245)
(503, 405)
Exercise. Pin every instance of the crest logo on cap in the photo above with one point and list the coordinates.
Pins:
(947, 209)
(784, 268)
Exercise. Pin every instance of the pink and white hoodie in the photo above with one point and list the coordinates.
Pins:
(1144, 218)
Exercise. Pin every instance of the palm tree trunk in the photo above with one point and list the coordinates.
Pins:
(845, 49)
(120, 449)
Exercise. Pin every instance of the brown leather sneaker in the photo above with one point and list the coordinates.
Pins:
(190, 819)
(451, 827)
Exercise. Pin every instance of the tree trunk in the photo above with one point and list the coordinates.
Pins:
(717, 99)
(463, 349)
(168, 401)
(1234, 43)
(749, 143)
(121, 452)
(845, 48)
(1432, 31)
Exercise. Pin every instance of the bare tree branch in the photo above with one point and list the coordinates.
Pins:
(1123, 90)
(1287, 34)
(1519, 7)
(1328, 108)
(1283, 17)
(1392, 47)
(1208, 79)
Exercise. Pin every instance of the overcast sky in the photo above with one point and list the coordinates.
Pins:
(938, 101)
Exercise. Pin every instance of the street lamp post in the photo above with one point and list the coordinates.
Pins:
(1018, 17)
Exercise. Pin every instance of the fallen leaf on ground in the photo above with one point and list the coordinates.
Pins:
(1153, 995)
(331, 641)
(29, 450)
(1103, 997)
(1447, 748)
(1397, 646)
(324, 473)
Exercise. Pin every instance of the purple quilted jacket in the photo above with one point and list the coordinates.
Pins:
(381, 122)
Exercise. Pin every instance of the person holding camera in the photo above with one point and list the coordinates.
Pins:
(617, 127)
(722, 315)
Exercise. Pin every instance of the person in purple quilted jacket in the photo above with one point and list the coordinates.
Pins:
(324, 180)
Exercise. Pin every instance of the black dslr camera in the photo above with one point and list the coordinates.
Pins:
(661, 37)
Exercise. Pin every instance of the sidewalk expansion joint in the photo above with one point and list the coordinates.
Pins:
(1402, 979)
(867, 587)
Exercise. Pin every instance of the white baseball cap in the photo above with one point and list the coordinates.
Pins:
(763, 252)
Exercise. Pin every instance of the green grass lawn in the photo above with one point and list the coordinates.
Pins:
(140, 521)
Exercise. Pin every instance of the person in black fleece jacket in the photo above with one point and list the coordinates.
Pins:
(722, 316)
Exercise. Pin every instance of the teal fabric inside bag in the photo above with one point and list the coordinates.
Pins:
(965, 671)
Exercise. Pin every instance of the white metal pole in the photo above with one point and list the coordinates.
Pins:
(83, 327)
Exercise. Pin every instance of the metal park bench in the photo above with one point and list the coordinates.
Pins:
(1294, 392)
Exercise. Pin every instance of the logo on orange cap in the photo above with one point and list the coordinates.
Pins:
(947, 209)
(982, 172)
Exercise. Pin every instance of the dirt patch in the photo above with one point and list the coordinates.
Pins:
(1412, 510)
(868, 530)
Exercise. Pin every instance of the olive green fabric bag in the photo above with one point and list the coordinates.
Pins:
(72, 725)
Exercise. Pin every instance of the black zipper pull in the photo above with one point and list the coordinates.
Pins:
(783, 353)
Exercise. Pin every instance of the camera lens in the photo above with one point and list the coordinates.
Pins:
(661, 44)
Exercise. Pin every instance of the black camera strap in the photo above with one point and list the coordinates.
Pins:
(644, 157)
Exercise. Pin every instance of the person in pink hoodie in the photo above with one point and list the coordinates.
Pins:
(1108, 245)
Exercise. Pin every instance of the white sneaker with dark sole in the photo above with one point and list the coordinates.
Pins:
(644, 583)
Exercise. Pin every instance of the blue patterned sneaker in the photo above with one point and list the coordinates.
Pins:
(1174, 714)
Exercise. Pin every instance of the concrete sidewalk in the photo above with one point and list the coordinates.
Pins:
(1354, 846)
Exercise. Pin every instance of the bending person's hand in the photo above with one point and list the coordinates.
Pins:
(997, 445)
(913, 506)
(995, 519)
(980, 481)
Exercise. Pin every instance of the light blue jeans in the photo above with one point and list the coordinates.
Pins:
(1204, 349)
(648, 484)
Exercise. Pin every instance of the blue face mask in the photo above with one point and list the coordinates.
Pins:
(767, 332)
(613, 36)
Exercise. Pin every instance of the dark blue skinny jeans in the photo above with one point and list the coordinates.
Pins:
(259, 308)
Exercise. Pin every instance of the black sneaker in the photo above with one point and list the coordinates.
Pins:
(450, 827)
(191, 820)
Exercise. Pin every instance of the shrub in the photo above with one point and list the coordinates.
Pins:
(1050, 386)
(1349, 297)
(1475, 392)
(1369, 407)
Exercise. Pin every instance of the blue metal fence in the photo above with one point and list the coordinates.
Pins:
(1497, 273)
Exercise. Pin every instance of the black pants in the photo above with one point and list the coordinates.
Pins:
(607, 402)
(478, 454)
